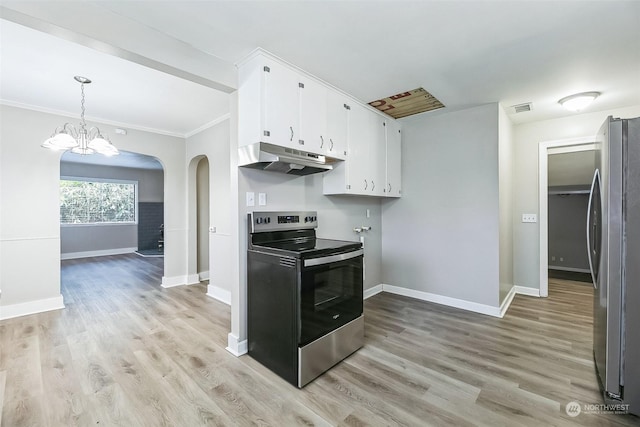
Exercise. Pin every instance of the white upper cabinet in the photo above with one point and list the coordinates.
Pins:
(357, 179)
(280, 100)
(377, 156)
(268, 103)
(364, 171)
(338, 107)
(282, 105)
(393, 157)
(313, 115)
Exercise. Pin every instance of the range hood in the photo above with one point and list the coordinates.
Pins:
(275, 158)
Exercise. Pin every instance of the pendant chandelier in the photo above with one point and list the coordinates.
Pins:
(80, 141)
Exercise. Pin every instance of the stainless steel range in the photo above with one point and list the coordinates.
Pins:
(304, 296)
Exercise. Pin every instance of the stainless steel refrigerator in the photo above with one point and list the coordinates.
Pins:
(613, 239)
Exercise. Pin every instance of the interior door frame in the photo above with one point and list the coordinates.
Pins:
(545, 148)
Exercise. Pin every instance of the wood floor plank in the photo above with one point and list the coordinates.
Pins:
(126, 352)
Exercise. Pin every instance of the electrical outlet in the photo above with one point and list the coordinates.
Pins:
(368, 213)
(561, 259)
(262, 199)
(251, 198)
(529, 218)
(553, 258)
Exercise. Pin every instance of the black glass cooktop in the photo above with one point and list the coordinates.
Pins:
(308, 246)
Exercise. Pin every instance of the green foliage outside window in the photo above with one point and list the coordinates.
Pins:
(86, 202)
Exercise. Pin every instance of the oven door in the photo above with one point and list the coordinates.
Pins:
(330, 293)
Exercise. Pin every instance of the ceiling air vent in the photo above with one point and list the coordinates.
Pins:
(521, 108)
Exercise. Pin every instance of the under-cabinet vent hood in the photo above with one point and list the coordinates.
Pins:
(275, 158)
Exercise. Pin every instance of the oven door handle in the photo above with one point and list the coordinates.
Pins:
(333, 258)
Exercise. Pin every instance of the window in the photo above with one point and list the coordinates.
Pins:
(97, 201)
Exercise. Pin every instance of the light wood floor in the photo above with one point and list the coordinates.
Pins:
(127, 352)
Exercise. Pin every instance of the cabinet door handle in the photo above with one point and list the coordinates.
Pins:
(373, 185)
(389, 187)
(291, 129)
(331, 146)
(321, 141)
(366, 184)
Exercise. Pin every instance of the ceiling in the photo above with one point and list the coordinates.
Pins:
(465, 53)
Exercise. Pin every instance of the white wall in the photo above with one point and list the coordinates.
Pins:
(505, 195)
(214, 143)
(442, 236)
(30, 229)
(29, 206)
(78, 239)
(527, 138)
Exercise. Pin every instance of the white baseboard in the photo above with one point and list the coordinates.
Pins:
(220, 294)
(444, 300)
(204, 275)
(170, 282)
(507, 301)
(575, 270)
(368, 293)
(104, 252)
(193, 279)
(235, 347)
(524, 290)
(31, 307)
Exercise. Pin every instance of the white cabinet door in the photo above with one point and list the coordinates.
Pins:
(394, 142)
(364, 170)
(377, 155)
(280, 100)
(338, 107)
(360, 135)
(313, 116)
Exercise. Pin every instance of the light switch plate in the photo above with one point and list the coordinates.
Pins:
(251, 198)
(262, 199)
(529, 218)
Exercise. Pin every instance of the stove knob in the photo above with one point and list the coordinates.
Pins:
(259, 220)
(268, 220)
(313, 218)
(306, 219)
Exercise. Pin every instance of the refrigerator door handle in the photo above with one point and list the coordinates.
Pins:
(594, 182)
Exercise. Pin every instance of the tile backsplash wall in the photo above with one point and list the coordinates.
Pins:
(150, 217)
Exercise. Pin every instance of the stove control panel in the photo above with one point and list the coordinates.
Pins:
(274, 221)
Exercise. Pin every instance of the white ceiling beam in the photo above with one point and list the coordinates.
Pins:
(100, 29)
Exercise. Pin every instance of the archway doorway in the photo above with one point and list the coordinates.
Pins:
(198, 220)
(202, 208)
(111, 222)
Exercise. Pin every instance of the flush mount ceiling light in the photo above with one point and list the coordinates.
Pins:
(80, 141)
(579, 101)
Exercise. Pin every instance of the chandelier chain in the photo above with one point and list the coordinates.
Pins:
(83, 125)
